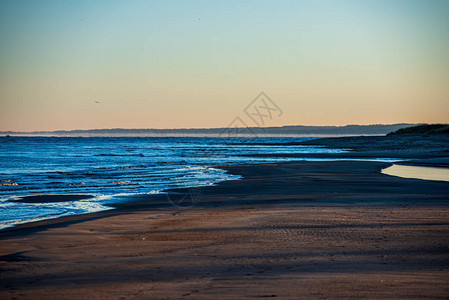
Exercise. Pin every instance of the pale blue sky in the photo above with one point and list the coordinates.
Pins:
(171, 64)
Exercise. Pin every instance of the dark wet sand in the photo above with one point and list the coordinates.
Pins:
(292, 230)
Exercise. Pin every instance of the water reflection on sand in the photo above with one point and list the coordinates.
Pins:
(418, 172)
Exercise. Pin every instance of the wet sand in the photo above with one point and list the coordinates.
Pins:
(304, 230)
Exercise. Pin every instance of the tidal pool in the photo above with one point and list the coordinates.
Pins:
(418, 172)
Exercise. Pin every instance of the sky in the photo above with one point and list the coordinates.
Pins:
(197, 64)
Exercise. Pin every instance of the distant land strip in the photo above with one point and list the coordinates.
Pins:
(376, 129)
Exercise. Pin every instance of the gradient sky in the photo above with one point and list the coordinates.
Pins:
(175, 64)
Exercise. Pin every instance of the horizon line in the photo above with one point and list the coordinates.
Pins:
(212, 128)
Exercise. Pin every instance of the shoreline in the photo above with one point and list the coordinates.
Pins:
(161, 201)
(406, 151)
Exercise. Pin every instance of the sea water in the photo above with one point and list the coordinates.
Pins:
(106, 167)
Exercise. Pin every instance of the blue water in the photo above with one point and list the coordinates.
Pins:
(106, 167)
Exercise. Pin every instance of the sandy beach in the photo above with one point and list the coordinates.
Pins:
(337, 229)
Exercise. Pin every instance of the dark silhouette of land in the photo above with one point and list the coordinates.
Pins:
(425, 129)
(377, 129)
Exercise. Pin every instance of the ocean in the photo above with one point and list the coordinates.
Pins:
(107, 167)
